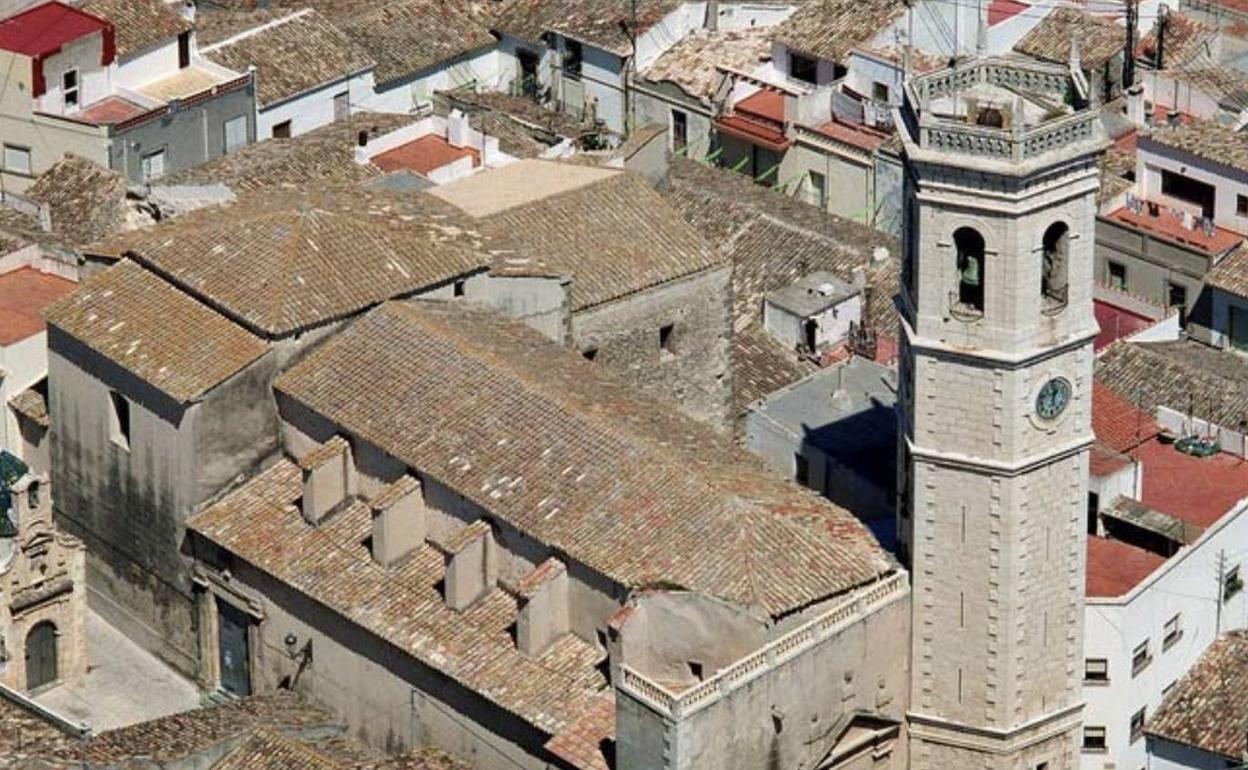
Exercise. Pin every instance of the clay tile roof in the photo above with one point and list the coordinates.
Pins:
(1184, 375)
(542, 574)
(1208, 708)
(140, 24)
(624, 485)
(761, 365)
(693, 63)
(394, 492)
(584, 744)
(268, 750)
(1203, 139)
(407, 36)
(1227, 86)
(335, 447)
(1119, 425)
(1231, 273)
(292, 56)
(24, 294)
(829, 29)
(1115, 165)
(595, 22)
(33, 405)
(1050, 40)
(460, 538)
(323, 155)
(260, 523)
(1186, 40)
(282, 261)
(420, 759)
(554, 210)
(87, 202)
(161, 335)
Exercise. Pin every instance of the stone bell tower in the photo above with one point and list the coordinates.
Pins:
(995, 409)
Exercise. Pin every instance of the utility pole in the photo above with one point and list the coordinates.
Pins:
(1128, 59)
(1163, 20)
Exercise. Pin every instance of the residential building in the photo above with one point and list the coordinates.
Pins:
(125, 89)
(995, 372)
(1202, 724)
(1205, 92)
(394, 522)
(435, 149)
(1163, 564)
(308, 73)
(1078, 37)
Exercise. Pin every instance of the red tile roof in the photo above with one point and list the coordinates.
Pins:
(1192, 489)
(42, 30)
(1116, 322)
(1167, 226)
(582, 744)
(764, 103)
(424, 155)
(1105, 461)
(1117, 423)
(110, 110)
(1004, 10)
(24, 293)
(758, 119)
(1115, 567)
(855, 136)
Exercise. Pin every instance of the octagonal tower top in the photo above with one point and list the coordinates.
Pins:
(1003, 115)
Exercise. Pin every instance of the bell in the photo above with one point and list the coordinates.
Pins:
(970, 272)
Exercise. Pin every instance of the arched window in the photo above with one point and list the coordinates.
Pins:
(1054, 268)
(41, 664)
(970, 248)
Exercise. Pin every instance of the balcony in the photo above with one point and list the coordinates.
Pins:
(1176, 226)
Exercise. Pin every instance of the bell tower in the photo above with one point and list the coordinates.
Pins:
(995, 409)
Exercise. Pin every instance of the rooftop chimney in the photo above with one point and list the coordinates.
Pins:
(543, 617)
(399, 521)
(187, 11)
(326, 478)
(469, 564)
(457, 129)
(1135, 105)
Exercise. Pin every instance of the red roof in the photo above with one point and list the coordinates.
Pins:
(1115, 567)
(1166, 225)
(424, 155)
(24, 293)
(42, 30)
(764, 103)
(1116, 322)
(1105, 461)
(1117, 423)
(758, 119)
(855, 136)
(1003, 10)
(110, 110)
(1192, 489)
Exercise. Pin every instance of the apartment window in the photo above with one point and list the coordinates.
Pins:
(1117, 275)
(1241, 205)
(801, 469)
(119, 419)
(1140, 658)
(1094, 739)
(1096, 670)
(879, 91)
(69, 88)
(235, 133)
(803, 68)
(665, 340)
(680, 131)
(1173, 633)
(1232, 583)
(281, 130)
(153, 165)
(17, 159)
(457, 288)
(1137, 725)
(573, 57)
(818, 189)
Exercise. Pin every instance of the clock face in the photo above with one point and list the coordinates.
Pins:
(1053, 398)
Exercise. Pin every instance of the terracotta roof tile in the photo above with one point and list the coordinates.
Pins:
(693, 63)
(268, 750)
(1119, 425)
(24, 293)
(292, 56)
(1208, 708)
(828, 29)
(1050, 40)
(1115, 567)
(140, 24)
(407, 36)
(1205, 140)
(159, 334)
(1186, 40)
(761, 365)
(585, 743)
(1185, 376)
(86, 201)
(282, 261)
(619, 483)
(1231, 273)
(599, 23)
(32, 404)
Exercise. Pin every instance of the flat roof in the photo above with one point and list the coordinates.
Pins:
(42, 30)
(24, 293)
(516, 184)
(1115, 567)
(424, 155)
(812, 293)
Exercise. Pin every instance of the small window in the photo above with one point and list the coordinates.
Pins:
(818, 189)
(281, 130)
(680, 132)
(573, 56)
(69, 88)
(665, 340)
(801, 469)
(1231, 584)
(184, 50)
(235, 133)
(1173, 632)
(803, 68)
(17, 159)
(153, 165)
(1140, 658)
(1117, 275)
(1137, 725)
(1094, 739)
(457, 289)
(590, 353)
(1241, 205)
(1096, 670)
(119, 419)
(879, 91)
(32, 495)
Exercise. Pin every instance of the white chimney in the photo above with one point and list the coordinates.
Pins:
(543, 616)
(457, 131)
(400, 521)
(469, 564)
(326, 478)
(1135, 105)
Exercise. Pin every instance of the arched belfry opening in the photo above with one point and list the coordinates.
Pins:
(969, 245)
(1055, 265)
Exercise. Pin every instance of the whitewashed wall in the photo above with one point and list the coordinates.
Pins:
(314, 108)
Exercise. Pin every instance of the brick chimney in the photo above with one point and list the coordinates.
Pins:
(327, 472)
(469, 563)
(543, 617)
(399, 521)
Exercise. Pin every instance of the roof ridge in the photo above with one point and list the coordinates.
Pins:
(265, 27)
